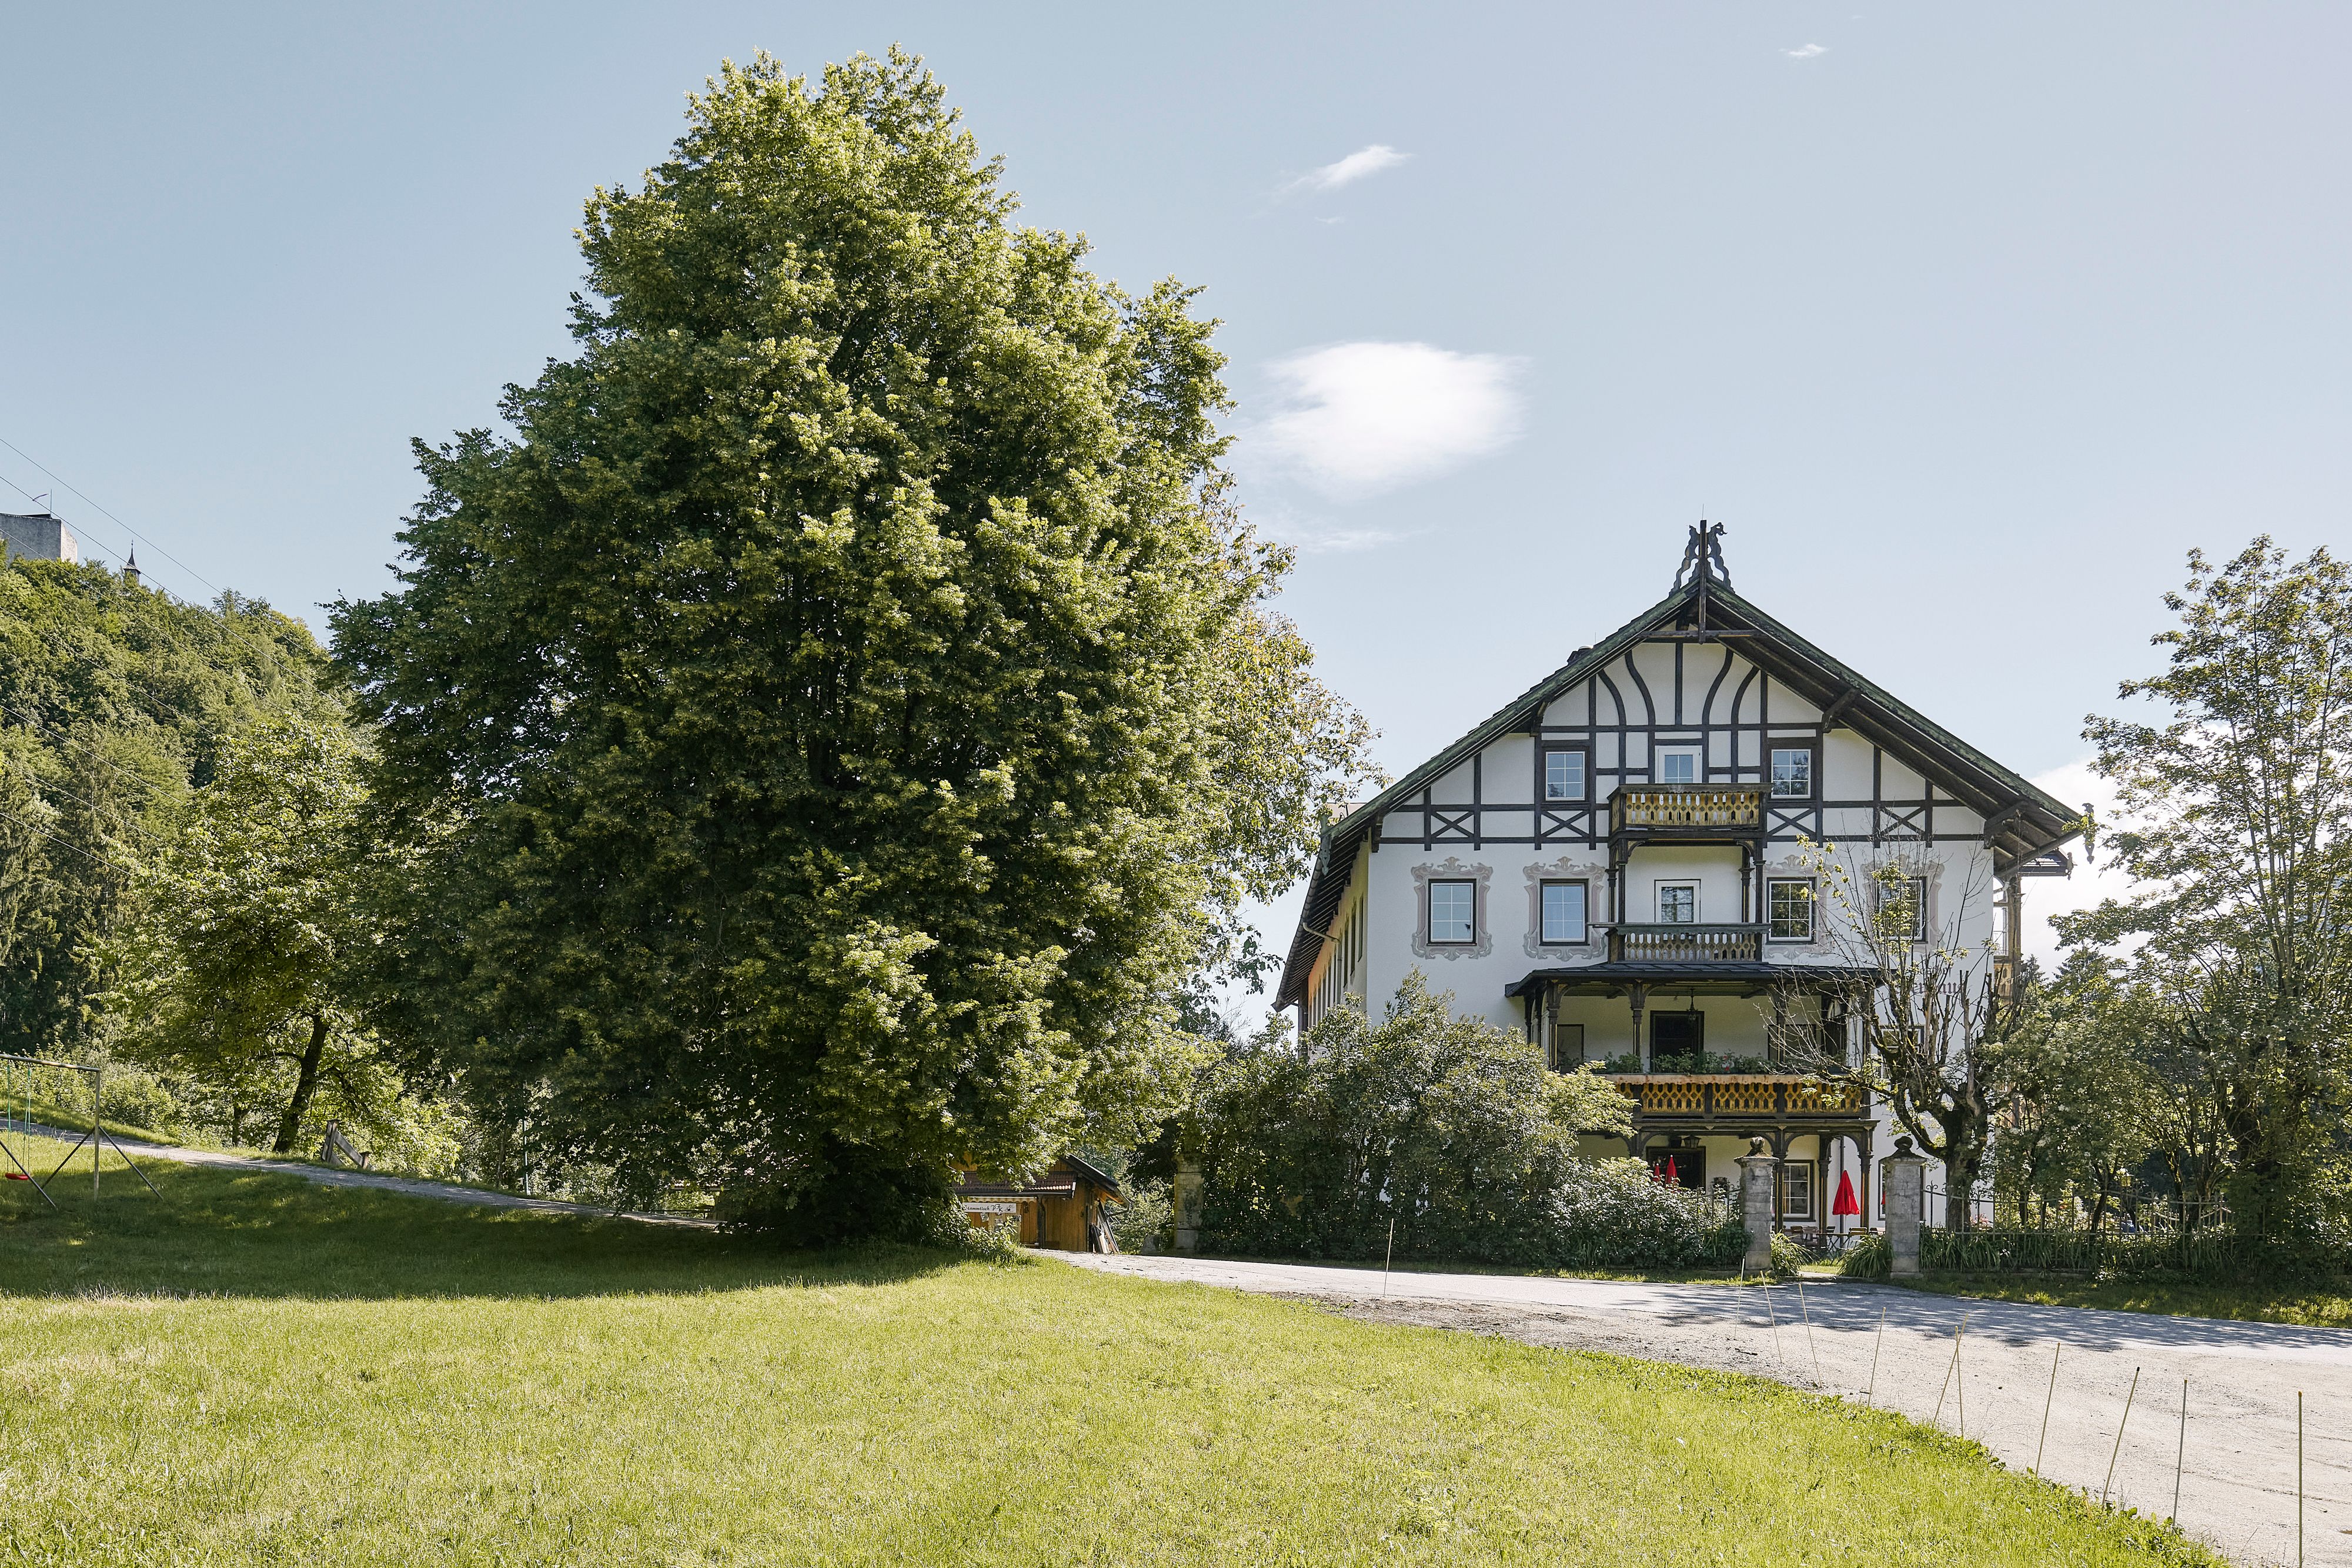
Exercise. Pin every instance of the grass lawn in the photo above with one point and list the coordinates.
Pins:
(259, 1371)
(2321, 1305)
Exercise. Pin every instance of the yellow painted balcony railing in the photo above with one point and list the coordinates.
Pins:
(1686, 808)
(1710, 1096)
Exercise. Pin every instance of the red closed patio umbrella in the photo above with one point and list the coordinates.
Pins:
(1846, 1203)
(1670, 1177)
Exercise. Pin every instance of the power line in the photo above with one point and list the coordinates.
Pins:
(118, 522)
(86, 855)
(74, 740)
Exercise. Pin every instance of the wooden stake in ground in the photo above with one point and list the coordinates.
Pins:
(1811, 1349)
(1870, 1394)
(2119, 1438)
(1776, 1323)
(2056, 1345)
(2298, 1478)
(2179, 1453)
(1389, 1261)
(1947, 1388)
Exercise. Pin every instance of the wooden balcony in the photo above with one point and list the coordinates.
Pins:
(1697, 1097)
(1700, 811)
(1709, 944)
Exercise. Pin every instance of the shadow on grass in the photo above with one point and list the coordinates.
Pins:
(245, 1234)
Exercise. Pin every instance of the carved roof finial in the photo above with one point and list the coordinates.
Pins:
(1703, 556)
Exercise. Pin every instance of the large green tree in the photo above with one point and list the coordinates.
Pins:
(2237, 829)
(829, 721)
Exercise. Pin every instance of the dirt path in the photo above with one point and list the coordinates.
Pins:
(2238, 1474)
(336, 1175)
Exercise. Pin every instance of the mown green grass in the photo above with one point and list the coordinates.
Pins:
(2322, 1305)
(258, 1371)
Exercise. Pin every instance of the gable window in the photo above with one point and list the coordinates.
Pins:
(1675, 765)
(1677, 903)
(1566, 1046)
(1788, 909)
(1902, 908)
(1792, 773)
(1453, 912)
(1563, 914)
(1563, 773)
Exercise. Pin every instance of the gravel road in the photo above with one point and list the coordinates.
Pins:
(2238, 1481)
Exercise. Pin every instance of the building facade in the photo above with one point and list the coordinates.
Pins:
(36, 536)
(1663, 859)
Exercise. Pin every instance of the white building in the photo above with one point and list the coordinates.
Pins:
(36, 536)
(1628, 864)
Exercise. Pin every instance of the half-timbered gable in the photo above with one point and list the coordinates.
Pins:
(1622, 862)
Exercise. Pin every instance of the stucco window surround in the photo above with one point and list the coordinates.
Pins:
(1929, 873)
(1595, 877)
(1796, 869)
(1453, 870)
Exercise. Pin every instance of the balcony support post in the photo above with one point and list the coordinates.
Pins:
(1640, 994)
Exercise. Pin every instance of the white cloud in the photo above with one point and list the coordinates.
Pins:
(1806, 53)
(1355, 419)
(1361, 164)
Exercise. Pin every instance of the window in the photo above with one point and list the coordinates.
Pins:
(1789, 907)
(1675, 765)
(1563, 775)
(1902, 908)
(1792, 773)
(1677, 1041)
(1566, 1046)
(1563, 914)
(1453, 912)
(1677, 903)
(1796, 1189)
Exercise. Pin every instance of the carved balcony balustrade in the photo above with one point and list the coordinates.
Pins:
(1700, 811)
(1703, 1097)
(1709, 943)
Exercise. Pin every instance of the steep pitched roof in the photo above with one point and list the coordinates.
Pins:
(2028, 821)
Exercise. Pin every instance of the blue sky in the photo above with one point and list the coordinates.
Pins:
(1966, 321)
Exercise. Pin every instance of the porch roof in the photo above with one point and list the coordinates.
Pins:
(1736, 977)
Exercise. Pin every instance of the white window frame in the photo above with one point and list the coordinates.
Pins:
(1659, 754)
(1772, 771)
(1811, 907)
(1583, 775)
(1663, 885)
(1429, 914)
(1918, 885)
(1544, 938)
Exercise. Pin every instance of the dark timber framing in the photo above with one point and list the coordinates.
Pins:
(1612, 702)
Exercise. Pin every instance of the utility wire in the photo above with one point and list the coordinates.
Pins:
(118, 522)
(74, 740)
(86, 855)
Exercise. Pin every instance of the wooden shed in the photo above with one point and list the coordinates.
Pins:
(1063, 1210)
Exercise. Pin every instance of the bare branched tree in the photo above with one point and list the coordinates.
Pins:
(1924, 1010)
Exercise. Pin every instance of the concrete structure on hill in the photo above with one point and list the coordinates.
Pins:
(38, 536)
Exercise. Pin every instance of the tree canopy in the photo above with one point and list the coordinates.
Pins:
(830, 722)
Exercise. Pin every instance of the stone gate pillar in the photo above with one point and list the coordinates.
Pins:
(1186, 1200)
(1904, 1179)
(1759, 1176)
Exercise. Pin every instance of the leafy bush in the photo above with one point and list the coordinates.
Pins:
(135, 1098)
(1789, 1255)
(1866, 1257)
(1143, 1224)
(1449, 1128)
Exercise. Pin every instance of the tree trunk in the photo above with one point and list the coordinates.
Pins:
(306, 1084)
(1957, 1187)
